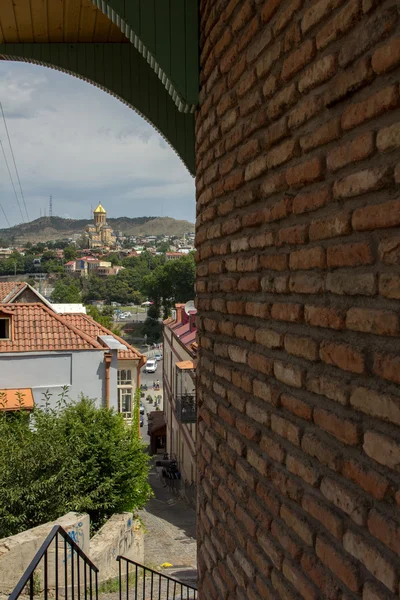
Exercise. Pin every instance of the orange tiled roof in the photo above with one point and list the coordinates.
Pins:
(9, 399)
(91, 327)
(8, 289)
(37, 328)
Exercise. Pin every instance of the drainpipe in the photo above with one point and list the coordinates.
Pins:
(107, 360)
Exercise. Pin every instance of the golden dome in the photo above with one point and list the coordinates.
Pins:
(99, 209)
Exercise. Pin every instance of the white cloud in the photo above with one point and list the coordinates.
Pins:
(81, 145)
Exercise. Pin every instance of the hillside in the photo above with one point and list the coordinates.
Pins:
(51, 228)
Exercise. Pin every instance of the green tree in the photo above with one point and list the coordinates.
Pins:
(75, 457)
(69, 253)
(66, 291)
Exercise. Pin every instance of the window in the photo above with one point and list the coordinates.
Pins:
(124, 377)
(125, 400)
(4, 329)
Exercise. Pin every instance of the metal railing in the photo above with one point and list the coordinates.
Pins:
(59, 569)
(137, 582)
(186, 408)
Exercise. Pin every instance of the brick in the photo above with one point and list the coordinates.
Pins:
(387, 366)
(384, 529)
(275, 262)
(343, 356)
(383, 449)
(339, 24)
(368, 320)
(286, 16)
(320, 576)
(374, 29)
(388, 138)
(281, 154)
(269, 338)
(297, 407)
(311, 283)
(372, 107)
(297, 523)
(272, 448)
(286, 429)
(324, 514)
(266, 392)
(320, 72)
(258, 45)
(292, 235)
(349, 284)
(358, 149)
(282, 535)
(370, 590)
(377, 216)
(368, 180)
(343, 429)
(389, 251)
(308, 258)
(248, 151)
(303, 469)
(330, 388)
(303, 347)
(345, 499)
(269, 9)
(282, 100)
(260, 363)
(269, 87)
(287, 312)
(288, 374)
(304, 111)
(317, 12)
(273, 184)
(275, 132)
(386, 57)
(349, 255)
(256, 168)
(321, 316)
(368, 479)
(338, 563)
(309, 201)
(299, 581)
(246, 83)
(334, 226)
(267, 59)
(242, 17)
(389, 286)
(348, 81)
(305, 172)
(298, 59)
(223, 42)
(370, 557)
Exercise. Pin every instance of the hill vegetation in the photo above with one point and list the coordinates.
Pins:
(49, 228)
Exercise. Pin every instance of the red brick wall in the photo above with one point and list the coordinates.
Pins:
(298, 284)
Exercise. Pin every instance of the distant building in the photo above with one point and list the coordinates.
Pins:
(180, 408)
(173, 255)
(100, 234)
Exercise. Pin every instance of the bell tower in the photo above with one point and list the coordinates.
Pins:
(100, 216)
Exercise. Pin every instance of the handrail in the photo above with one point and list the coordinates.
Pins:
(41, 552)
(185, 587)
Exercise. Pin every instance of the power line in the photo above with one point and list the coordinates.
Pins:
(5, 216)
(13, 157)
(12, 182)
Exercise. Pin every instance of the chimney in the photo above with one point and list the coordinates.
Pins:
(179, 312)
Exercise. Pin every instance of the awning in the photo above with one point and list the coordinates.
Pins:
(16, 398)
(185, 365)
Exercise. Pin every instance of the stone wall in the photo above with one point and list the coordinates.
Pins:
(298, 283)
(122, 534)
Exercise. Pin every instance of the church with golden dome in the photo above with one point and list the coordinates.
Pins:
(100, 234)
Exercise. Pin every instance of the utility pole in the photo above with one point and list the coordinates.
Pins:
(51, 206)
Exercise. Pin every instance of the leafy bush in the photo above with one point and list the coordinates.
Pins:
(76, 457)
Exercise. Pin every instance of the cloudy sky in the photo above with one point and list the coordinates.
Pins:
(82, 146)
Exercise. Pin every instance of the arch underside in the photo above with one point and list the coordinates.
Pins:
(120, 70)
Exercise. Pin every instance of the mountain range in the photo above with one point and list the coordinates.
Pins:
(51, 228)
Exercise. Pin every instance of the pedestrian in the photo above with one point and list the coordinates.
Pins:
(158, 384)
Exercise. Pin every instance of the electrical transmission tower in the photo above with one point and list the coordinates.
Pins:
(51, 206)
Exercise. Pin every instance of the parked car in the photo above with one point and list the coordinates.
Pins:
(141, 420)
(141, 409)
(158, 356)
(150, 366)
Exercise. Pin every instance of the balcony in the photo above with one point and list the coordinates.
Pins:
(186, 408)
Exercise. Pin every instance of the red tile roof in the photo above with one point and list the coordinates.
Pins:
(8, 289)
(37, 328)
(93, 329)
